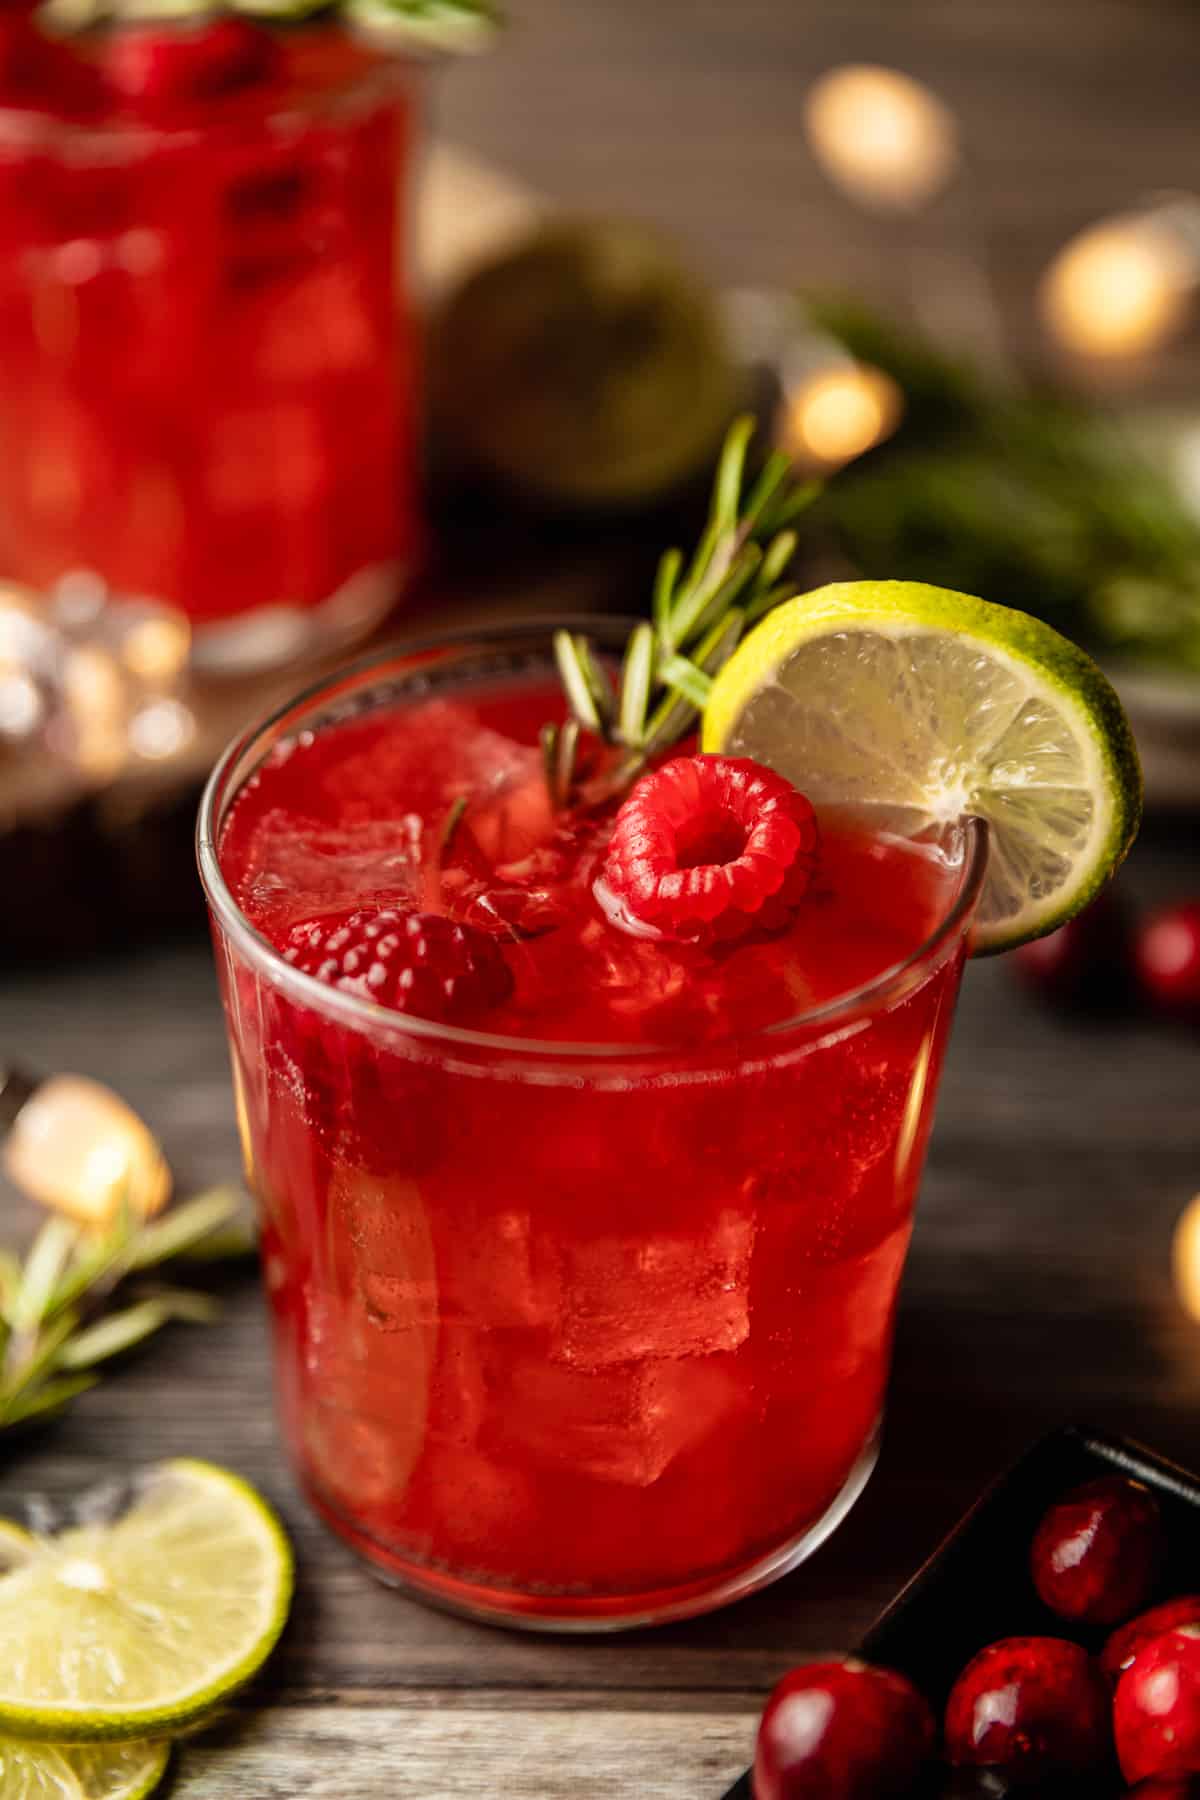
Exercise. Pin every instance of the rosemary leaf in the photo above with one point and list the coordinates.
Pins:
(183, 1228)
(772, 475)
(52, 1247)
(564, 768)
(721, 642)
(114, 1333)
(10, 1282)
(671, 718)
(451, 823)
(186, 1304)
(636, 677)
(741, 571)
(47, 1401)
(685, 679)
(666, 577)
(575, 680)
(599, 685)
(41, 1358)
(727, 488)
(776, 557)
(96, 1266)
(228, 1243)
(548, 739)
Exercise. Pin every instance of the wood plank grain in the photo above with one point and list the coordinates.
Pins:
(435, 1753)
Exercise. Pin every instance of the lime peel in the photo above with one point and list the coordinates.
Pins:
(919, 705)
(137, 1628)
(83, 1772)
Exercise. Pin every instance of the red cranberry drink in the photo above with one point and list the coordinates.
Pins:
(206, 381)
(585, 1085)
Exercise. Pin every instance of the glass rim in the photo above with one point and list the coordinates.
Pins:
(352, 1009)
(24, 127)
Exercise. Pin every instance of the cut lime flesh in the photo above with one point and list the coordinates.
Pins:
(916, 706)
(80, 1772)
(135, 1628)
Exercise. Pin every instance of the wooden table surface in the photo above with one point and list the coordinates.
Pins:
(1038, 1289)
(1038, 1292)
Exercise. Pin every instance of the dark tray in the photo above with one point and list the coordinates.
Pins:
(976, 1586)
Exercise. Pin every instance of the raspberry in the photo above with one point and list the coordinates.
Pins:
(155, 66)
(709, 847)
(416, 963)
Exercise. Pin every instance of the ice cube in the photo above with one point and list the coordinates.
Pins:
(660, 1295)
(495, 1273)
(441, 752)
(386, 1229)
(363, 1458)
(300, 869)
(620, 1425)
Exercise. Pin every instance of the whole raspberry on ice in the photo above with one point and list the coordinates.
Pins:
(709, 847)
(416, 963)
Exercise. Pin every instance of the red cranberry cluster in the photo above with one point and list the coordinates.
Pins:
(1027, 1715)
(1105, 960)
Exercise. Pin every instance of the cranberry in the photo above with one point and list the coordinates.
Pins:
(1125, 1643)
(1172, 1787)
(1084, 966)
(841, 1730)
(1032, 1706)
(1097, 1552)
(1156, 1712)
(1167, 958)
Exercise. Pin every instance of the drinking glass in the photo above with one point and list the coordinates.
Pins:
(569, 1335)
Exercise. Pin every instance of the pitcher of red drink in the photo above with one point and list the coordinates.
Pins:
(206, 378)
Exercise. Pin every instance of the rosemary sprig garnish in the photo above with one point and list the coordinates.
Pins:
(700, 609)
(56, 1325)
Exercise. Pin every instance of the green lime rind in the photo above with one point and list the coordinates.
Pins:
(123, 1590)
(924, 705)
(30, 1771)
(16, 1547)
(450, 26)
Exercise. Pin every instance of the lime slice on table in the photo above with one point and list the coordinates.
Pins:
(80, 1772)
(919, 705)
(134, 1628)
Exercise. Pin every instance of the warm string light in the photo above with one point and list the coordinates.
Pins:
(831, 415)
(883, 138)
(1185, 1258)
(1121, 288)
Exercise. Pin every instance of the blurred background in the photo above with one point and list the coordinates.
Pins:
(389, 315)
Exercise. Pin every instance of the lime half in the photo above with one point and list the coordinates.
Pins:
(84, 1772)
(133, 1628)
(918, 706)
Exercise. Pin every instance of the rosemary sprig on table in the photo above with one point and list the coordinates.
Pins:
(701, 609)
(55, 1322)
